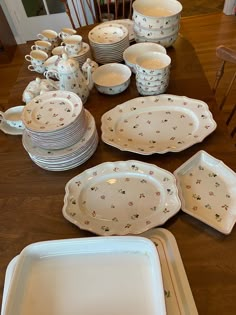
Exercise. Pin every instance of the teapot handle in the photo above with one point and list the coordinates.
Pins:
(54, 73)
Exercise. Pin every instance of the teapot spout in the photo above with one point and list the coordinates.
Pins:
(89, 79)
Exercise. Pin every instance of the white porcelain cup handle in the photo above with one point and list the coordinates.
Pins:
(28, 58)
(2, 118)
(60, 35)
(31, 68)
(40, 36)
(33, 47)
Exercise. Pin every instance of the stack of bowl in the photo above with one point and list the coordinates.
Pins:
(152, 73)
(156, 21)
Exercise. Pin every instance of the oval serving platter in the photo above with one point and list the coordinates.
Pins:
(119, 198)
(157, 124)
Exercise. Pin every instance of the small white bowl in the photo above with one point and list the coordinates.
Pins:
(112, 78)
(156, 34)
(153, 63)
(156, 14)
(165, 41)
(132, 52)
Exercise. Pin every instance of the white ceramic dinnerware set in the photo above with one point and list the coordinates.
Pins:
(108, 42)
(156, 21)
(59, 133)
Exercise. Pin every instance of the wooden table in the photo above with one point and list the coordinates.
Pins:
(31, 199)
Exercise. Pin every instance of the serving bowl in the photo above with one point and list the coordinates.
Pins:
(112, 78)
(133, 51)
(156, 14)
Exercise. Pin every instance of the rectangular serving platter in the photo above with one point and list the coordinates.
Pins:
(178, 296)
(96, 275)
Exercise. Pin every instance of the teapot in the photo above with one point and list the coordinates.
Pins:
(71, 78)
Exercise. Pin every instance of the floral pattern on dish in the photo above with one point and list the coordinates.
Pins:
(207, 191)
(157, 124)
(121, 198)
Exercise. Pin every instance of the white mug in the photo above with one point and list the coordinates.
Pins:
(42, 45)
(73, 44)
(58, 51)
(50, 36)
(65, 32)
(37, 68)
(12, 117)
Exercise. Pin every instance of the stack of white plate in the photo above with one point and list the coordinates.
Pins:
(84, 53)
(108, 41)
(60, 134)
(156, 21)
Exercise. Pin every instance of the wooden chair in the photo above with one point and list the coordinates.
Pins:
(113, 10)
(226, 55)
(80, 12)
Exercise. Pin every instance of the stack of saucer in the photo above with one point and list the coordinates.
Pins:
(82, 56)
(108, 41)
(59, 133)
(152, 73)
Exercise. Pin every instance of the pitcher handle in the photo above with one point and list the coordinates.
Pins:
(47, 75)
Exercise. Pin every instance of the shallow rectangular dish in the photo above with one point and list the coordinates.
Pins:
(207, 189)
(92, 276)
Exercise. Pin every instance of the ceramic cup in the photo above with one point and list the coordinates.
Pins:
(42, 45)
(66, 32)
(50, 36)
(58, 51)
(37, 59)
(12, 117)
(73, 44)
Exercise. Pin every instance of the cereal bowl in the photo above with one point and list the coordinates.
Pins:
(156, 33)
(132, 52)
(165, 41)
(156, 14)
(153, 63)
(112, 78)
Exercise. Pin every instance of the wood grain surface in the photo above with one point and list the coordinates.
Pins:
(31, 199)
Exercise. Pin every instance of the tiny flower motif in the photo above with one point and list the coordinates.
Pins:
(227, 196)
(135, 216)
(212, 174)
(141, 195)
(115, 219)
(130, 203)
(86, 222)
(148, 222)
(218, 217)
(198, 181)
(103, 197)
(105, 228)
(226, 207)
(128, 225)
(151, 172)
(94, 188)
(153, 208)
(188, 186)
(127, 179)
(208, 206)
(166, 210)
(94, 214)
(217, 184)
(143, 181)
(211, 193)
(121, 191)
(201, 168)
(195, 208)
(72, 214)
(158, 193)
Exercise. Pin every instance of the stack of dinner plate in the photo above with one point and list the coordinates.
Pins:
(108, 41)
(60, 134)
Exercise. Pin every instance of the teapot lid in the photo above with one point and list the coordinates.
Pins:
(67, 65)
